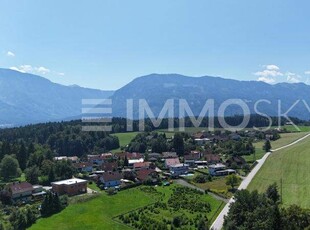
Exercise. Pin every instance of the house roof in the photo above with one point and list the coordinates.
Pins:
(131, 156)
(141, 164)
(169, 154)
(144, 173)
(111, 176)
(172, 161)
(70, 181)
(20, 187)
(212, 157)
(109, 166)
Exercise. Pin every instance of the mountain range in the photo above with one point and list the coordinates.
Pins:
(27, 98)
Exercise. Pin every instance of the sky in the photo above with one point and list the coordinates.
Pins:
(105, 44)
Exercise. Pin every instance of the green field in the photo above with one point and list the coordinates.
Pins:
(124, 139)
(286, 138)
(99, 212)
(292, 166)
(96, 213)
(291, 128)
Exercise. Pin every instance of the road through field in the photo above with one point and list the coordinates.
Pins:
(218, 223)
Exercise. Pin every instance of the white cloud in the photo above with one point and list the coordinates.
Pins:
(10, 54)
(307, 72)
(30, 69)
(293, 77)
(42, 70)
(61, 74)
(271, 67)
(269, 74)
(23, 68)
(267, 80)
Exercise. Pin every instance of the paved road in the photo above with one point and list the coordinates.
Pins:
(218, 223)
(186, 184)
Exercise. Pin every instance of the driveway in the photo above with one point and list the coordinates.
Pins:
(218, 223)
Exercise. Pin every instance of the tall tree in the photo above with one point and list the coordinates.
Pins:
(9, 168)
(267, 146)
(32, 175)
(178, 144)
(22, 156)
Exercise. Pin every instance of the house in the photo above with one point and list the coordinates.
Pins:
(190, 160)
(131, 162)
(238, 160)
(20, 191)
(109, 166)
(95, 159)
(178, 169)
(145, 174)
(141, 165)
(83, 166)
(38, 192)
(70, 187)
(73, 159)
(216, 167)
(202, 141)
(154, 156)
(212, 158)
(60, 158)
(134, 156)
(166, 155)
(192, 157)
(220, 170)
(111, 179)
(171, 161)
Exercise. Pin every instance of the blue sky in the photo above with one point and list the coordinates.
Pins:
(106, 44)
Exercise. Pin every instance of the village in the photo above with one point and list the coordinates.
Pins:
(122, 170)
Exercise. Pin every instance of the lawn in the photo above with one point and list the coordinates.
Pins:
(292, 166)
(217, 185)
(99, 212)
(124, 139)
(291, 128)
(96, 213)
(286, 138)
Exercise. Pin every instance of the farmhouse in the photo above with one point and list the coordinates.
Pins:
(20, 191)
(71, 186)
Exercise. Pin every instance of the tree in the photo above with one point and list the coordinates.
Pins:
(126, 162)
(232, 180)
(32, 175)
(267, 146)
(9, 168)
(178, 144)
(272, 193)
(22, 156)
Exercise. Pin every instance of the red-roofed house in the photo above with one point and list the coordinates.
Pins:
(109, 166)
(20, 191)
(145, 174)
(141, 165)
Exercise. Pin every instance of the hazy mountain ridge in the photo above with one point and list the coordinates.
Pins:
(27, 98)
(157, 88)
